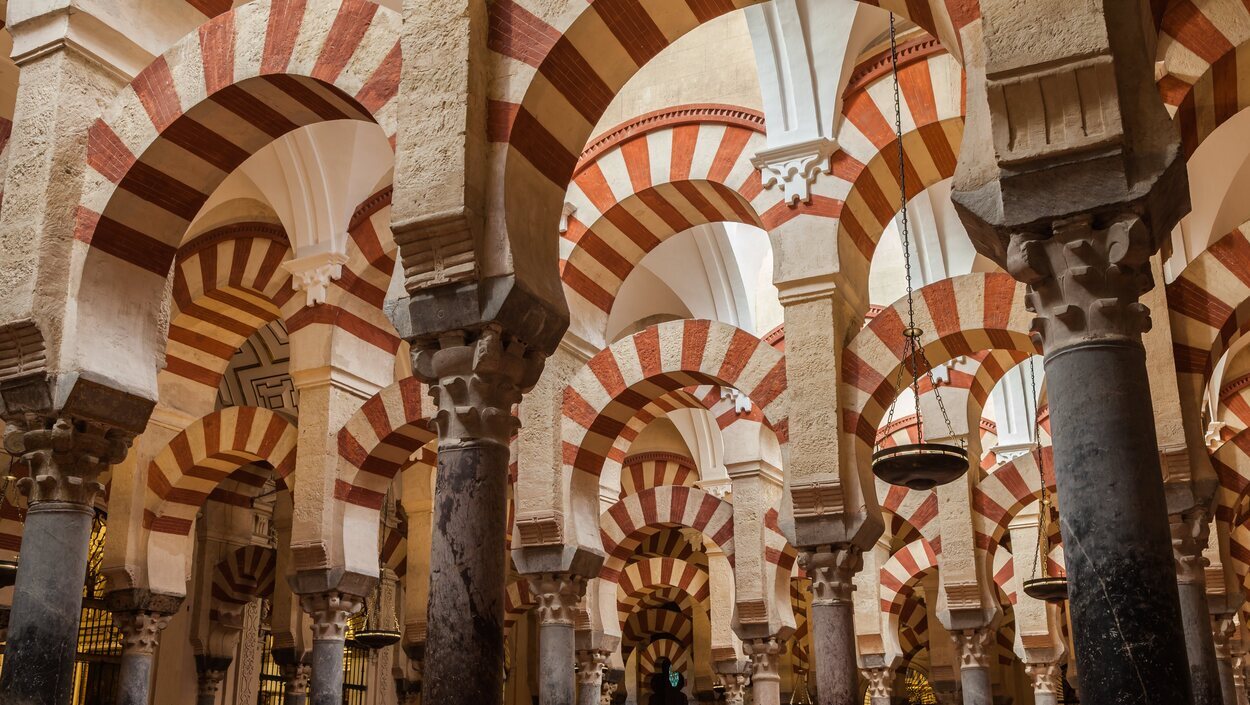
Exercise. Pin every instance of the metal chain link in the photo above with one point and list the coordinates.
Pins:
(1044, 504)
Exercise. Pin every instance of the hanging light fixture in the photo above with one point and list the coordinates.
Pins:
(1048, 588)
(922, 465)
(378, 632)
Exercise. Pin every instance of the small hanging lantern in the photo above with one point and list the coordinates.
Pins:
(379, 632)
(1047, 588)
(922, 465)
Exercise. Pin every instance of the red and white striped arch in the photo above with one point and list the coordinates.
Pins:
(667, 542)
(1234, 409)
(958, 316)
(645, 471)
(1209, 308)
(656, 176)
(200, 110)
(1004, 492)
(643, 578)
(244, 574)
(569, 59)
(1202, 46)
(900, 574)
(643, 625)
(378, 440)
(679, 399)
(649, 660)
(622, 379)
(620, 525)
(192, 465)
(228, 283)
(931, 96)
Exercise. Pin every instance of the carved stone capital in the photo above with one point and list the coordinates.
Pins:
(208, 680)
(330, 612)
(65, 455)
(972, 646)
(832, 570)
(313, 274)
(557, 595)
(606, 692)
(1045, 677)
(1191, 531)
(1084, 280)
(1223, 628)
(765, 655)
(880, 682)
(590, 667)
(735, 685)
(795, 167)
(475, 381)
(297, 677)
(140, 630)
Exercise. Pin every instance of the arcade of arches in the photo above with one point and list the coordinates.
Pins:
(537, 351)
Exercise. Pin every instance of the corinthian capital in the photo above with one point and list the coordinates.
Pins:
(1191, 531)
(971, 646)
(65, 456)
(765, 655)
(330, 612)
(590, 665)
(140, 630)
(880, 682)
(1084, 280)
(1045, 677)
(832, 570)
(558, 595)
(475, 379)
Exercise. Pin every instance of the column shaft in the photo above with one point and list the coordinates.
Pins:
(556, 679)
(464, 662)
(134, 677)
(975, 682)
(765, 655)
(47, 602)
(1125, 610)
(140, 630)
(833, 653)
(1190, 533)
(327, 671)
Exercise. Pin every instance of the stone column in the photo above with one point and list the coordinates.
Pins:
(475, 380)
(831, 622)
(1047, 682)
(297, 676)
(1190, 534)
(1239, 678)
(880, 685)
(65, 457)
(735, 687)
(557, 595)
(972, 646)
(590, 666)
(765, 655)
(1076, 215)
(329, 612)
(1223, 628)
(140, 632)
(210, 673)
(608, 693)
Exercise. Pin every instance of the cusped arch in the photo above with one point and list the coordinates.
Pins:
(245, 78)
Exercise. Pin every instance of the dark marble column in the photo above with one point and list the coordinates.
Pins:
(329, 611)
(972, 647)
(556, 595)
(1191, 532)
(65, 457)
(475, 379)
(590, 667)
(140, 631)
(831, 622)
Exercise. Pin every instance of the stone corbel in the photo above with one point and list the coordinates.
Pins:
(312, 274)
(796, 167)
(565, 214)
